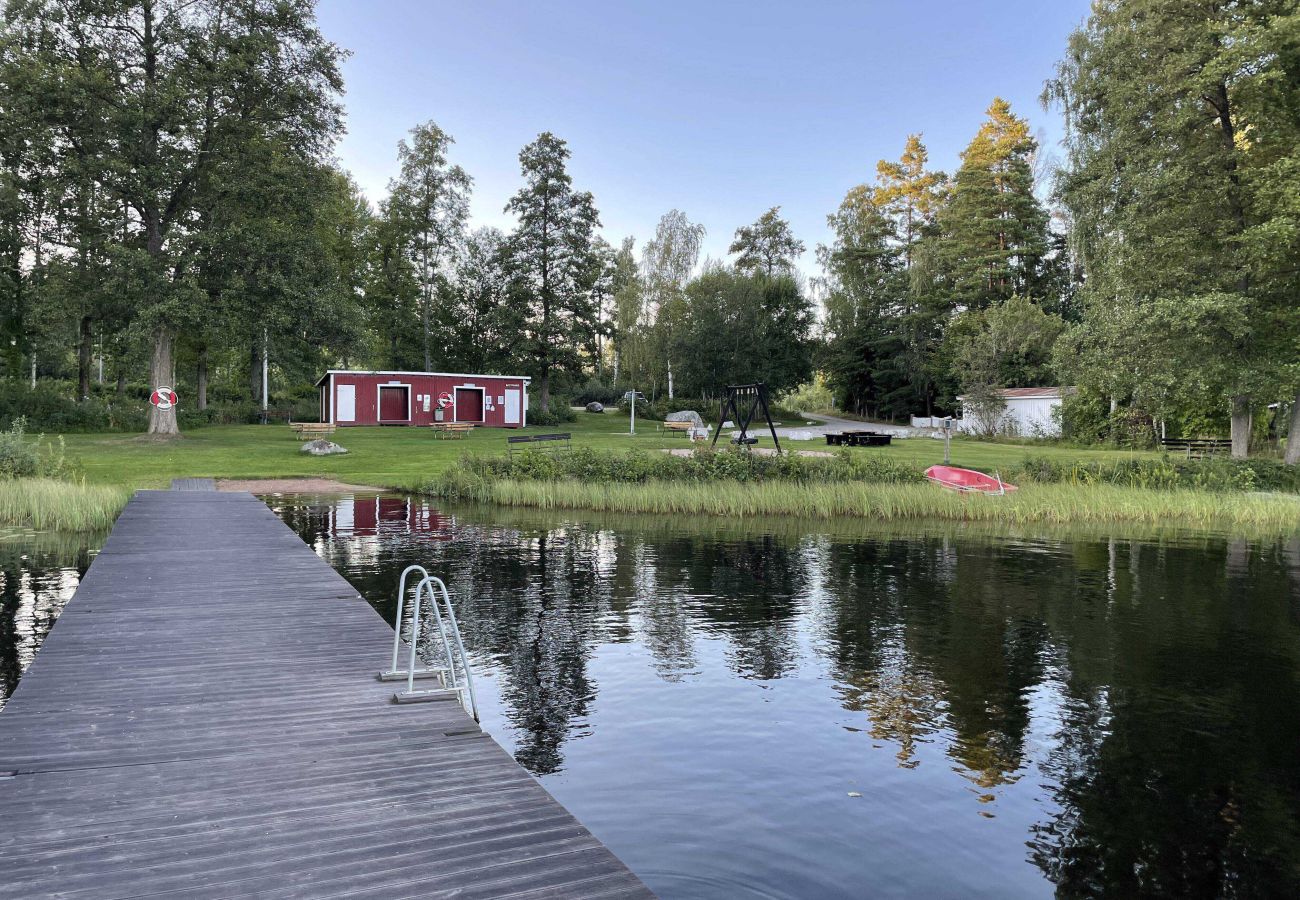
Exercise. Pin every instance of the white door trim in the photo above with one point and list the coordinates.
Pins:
(379, 393)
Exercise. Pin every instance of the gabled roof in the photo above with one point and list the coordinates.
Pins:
(330, 372)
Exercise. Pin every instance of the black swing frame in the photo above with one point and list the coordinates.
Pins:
(756, 394)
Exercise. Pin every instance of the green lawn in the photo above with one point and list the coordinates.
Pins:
(399, 457)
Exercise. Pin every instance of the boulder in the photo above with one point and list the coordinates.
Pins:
(593, 406)
(686, 415)
(322, 447)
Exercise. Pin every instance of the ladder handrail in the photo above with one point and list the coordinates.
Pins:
(401, 600)
(444, 615)
(460, 644)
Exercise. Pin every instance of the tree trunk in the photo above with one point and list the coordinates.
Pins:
(1240, 427)
(84, 348)
(670, 379)
(255, 372)
(545, 393)
(201, 379)
(162, 421)
(1293, 434)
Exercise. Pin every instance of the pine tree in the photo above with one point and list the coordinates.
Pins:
(429, 200)
(993, 231)
(553, 264)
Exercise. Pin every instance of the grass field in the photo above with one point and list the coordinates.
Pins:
(403, 457)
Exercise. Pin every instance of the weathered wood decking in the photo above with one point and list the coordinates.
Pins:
(204, 721)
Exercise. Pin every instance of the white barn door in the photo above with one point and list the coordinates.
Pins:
(512, 406)
(347, 408)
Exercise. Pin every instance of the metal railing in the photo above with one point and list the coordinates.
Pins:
(454, 678)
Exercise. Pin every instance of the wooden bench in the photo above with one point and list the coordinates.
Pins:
(451, 430)
(678, 427)
(548, 441)
(1197, 448)
(311, 430)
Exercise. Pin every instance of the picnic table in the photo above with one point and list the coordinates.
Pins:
(558, 441)
(452, 430)
(311, 430)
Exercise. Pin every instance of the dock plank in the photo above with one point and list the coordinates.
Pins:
(204, 720)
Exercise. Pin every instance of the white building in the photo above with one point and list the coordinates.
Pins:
(1029, 412)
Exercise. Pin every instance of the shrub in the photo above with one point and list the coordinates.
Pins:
(21, 458)
(559, 413)
(597, 391)
(52, 405)
(1164, 473)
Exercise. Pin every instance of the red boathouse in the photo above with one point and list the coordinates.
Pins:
(422, 398)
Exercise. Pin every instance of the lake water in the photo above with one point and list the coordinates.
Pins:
(750, 709)
(757, 710)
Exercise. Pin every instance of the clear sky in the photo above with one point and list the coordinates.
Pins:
(720, 109)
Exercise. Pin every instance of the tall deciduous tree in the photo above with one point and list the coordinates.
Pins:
(667, 262)
(1182, 145)
(767, 246)
(144, 97)
(553, 263)
(429, 200)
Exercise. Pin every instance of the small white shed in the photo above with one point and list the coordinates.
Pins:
(1029, 412)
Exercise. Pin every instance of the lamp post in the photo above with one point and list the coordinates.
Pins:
(633, 396)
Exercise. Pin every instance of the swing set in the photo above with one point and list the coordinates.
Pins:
(753, 398)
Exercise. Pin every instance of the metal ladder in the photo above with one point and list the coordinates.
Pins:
(454, 678)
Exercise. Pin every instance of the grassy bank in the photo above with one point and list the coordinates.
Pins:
(402, 457)
(1045, 504)
(48, 504)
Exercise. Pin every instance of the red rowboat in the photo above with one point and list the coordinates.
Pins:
(967, 480)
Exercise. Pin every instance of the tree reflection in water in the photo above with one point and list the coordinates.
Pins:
(1126, 707)
(39, 573)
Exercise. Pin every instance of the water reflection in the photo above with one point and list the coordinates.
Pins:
(1021, 713)
(39, 573)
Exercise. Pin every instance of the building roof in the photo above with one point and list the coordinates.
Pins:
(1038, 393)
(330, 372)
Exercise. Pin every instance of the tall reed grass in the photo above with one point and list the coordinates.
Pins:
(1047, 503)
(50, 504)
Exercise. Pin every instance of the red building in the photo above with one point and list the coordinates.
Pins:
(422, 398)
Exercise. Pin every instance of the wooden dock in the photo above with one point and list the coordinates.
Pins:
(204, 721)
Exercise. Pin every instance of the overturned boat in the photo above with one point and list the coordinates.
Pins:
(968, 480)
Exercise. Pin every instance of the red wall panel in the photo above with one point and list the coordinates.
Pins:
(430, 386)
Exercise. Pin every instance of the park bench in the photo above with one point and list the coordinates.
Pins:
(858, 439)
(1197, 448)
(452, 430)
(677, 427)
(310, 430)
(690, 430)
(560, 441)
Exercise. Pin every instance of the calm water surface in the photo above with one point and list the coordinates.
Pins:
(748, 710)
(778, 710)
(39, 573)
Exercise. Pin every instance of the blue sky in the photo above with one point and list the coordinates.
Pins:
(720, 109)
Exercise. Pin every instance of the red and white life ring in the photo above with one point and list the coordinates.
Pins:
(445, 400)
(163, 398)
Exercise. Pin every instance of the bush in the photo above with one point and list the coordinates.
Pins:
(559, 414)
(1165, 473)
(21, 458)
(597, 391)
(51, 406)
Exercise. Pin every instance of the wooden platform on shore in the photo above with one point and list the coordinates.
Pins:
(204, 721)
